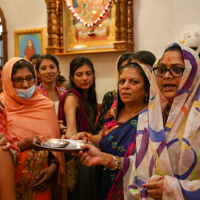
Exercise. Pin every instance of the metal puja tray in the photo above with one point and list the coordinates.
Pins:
(65, 145)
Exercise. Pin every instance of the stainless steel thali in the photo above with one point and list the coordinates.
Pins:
(65, 145)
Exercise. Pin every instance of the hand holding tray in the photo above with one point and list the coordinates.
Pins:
(64, 145)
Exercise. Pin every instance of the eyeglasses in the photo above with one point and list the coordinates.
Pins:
(19, 81)
(174, 71)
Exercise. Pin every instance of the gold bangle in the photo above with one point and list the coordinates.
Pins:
(88, 135)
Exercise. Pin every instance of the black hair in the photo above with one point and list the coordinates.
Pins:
(120, 103)
(46, 56)
(1, 67)
(91, 95)
(34, 56)
(21, 64)
(175, 47)
(145, 57)
(61, 78)
(122, 58)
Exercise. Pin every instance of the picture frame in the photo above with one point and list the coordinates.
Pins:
(76, 38)
(29, 42)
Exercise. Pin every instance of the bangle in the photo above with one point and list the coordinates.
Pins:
(27, 143)
(118, 163)
(89, 136)
(109, 162)
(115, 159)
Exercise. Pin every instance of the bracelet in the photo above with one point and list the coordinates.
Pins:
(109, 162)
(89, 136)
(115, 159)
(27, 143)
(118, 163)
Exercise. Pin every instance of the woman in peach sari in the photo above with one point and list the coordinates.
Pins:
(29, 114)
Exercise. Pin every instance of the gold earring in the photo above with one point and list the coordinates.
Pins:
(146, 99)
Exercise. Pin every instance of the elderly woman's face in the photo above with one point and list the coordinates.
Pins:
(23, 79)
(168, 84)
(131, 86)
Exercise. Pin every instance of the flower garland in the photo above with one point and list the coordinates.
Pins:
(96, 22)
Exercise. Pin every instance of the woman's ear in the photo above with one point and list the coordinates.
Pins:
(146, 94)
(71, 78)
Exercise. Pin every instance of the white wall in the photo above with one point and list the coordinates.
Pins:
(156, 24)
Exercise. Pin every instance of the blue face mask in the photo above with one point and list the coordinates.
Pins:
(25, 93)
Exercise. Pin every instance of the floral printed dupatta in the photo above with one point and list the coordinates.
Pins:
(171, 151)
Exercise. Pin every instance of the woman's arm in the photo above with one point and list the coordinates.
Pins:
(87, 138)
(7, 183)
(27, 143)
(45, 176)
(70, 107)
(94, 157)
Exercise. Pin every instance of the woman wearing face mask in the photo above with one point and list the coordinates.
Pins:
(78, 110)
(30, 114)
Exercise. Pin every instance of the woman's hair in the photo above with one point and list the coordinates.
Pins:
(61, 78)
(21, 64)
(174, 48)
(91, 96)
(122, 58)
(145, 57)
(46, 56)
(34, 56)
(120, 103)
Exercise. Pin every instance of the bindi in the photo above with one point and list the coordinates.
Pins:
(169, 59)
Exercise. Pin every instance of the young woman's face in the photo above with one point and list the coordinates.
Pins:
(168, 84)
(83, 77)
(48, 71)
(131, 86)
(23, 79)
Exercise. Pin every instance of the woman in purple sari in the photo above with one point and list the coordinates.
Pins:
(117, 137)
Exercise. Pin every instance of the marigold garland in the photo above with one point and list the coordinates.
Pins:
(96, 22)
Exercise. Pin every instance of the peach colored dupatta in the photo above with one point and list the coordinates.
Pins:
(35, 116)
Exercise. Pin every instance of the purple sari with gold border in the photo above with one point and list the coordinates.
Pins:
(119, 140)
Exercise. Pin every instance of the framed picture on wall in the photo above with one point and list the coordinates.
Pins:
(29, 42)
(76, 34)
